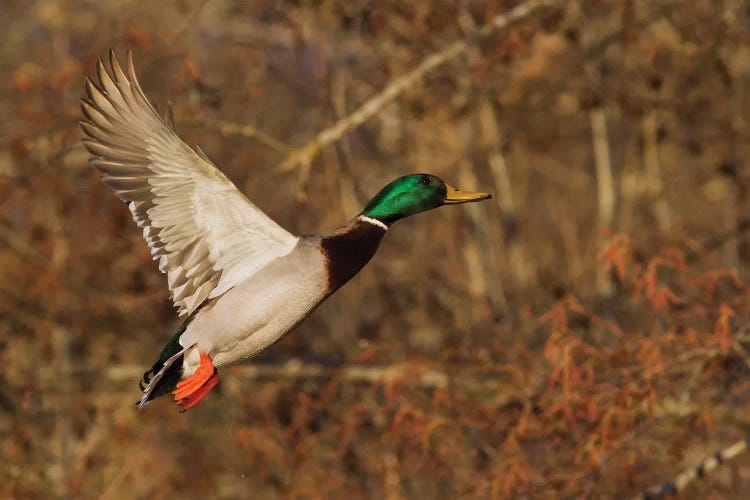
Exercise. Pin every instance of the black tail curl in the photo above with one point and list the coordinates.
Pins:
(168, 382)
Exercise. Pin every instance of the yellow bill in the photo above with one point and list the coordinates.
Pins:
(455, 196)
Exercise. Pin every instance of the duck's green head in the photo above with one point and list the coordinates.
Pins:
(411, 194)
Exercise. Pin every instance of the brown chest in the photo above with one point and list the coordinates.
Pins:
(348, 250)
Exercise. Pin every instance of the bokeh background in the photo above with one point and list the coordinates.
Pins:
(581, 335)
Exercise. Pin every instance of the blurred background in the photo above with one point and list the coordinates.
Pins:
(581, 335)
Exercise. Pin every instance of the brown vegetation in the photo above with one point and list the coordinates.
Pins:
(583, 335)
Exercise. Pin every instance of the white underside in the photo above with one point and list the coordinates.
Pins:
(258, 312)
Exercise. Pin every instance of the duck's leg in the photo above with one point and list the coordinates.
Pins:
(192, 389)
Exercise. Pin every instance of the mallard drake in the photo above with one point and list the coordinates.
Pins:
(240, 280)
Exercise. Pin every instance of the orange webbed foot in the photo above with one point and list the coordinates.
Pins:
(198, 395)
(192, 390)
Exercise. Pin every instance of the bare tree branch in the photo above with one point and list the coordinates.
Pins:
(295, 369)
(303, 156)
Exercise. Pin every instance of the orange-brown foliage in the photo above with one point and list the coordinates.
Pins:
(481, 354)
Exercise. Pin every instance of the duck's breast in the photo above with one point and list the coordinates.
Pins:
(259, 311)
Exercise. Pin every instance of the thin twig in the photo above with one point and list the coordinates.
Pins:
(689, 475)
(228, 128)
(304, 155)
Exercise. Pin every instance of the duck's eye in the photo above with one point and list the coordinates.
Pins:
(425, 181)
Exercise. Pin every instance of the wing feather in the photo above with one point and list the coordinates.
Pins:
(206, 235)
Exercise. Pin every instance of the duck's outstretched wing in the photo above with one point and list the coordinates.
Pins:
(207, 236)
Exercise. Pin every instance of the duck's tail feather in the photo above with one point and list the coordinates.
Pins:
(162, 378)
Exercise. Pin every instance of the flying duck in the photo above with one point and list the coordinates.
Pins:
(239, 279)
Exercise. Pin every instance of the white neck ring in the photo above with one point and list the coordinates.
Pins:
(374, 222)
